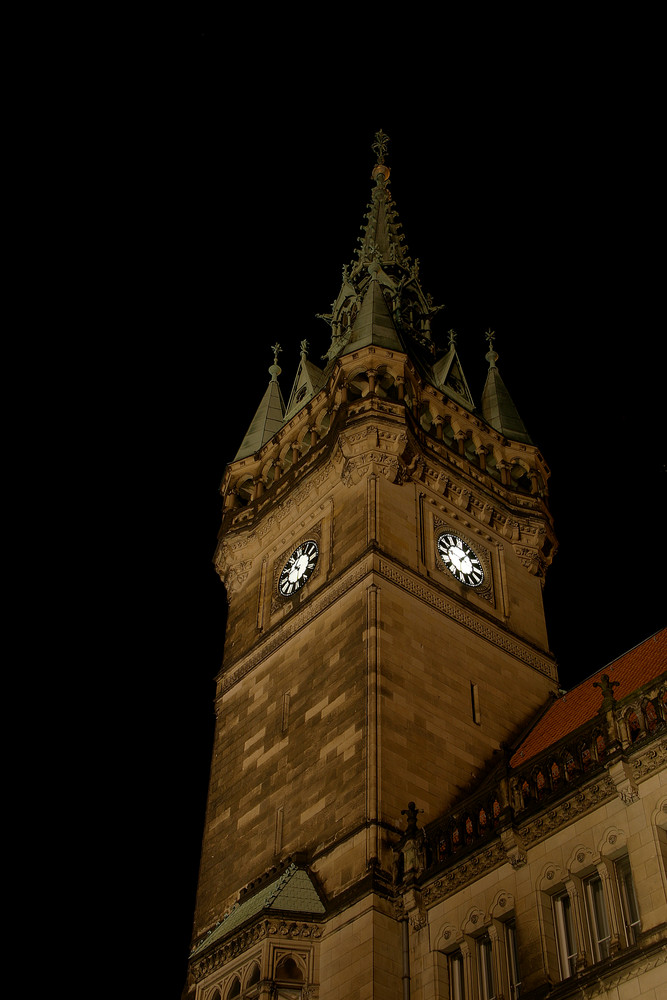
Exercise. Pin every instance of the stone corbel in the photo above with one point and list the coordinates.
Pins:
(414, 909)
(621, 774)
(513, 847)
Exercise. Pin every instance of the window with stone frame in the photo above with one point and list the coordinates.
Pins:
(597, 918)
(566, 942)
(486, 979)
(628, 900)
(512, 958)
(288, 980)
(456, 975)
(601, 901)
(244, 984)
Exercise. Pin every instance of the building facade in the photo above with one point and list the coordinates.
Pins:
(401, 804)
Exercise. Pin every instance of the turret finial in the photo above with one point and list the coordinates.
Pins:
(491, 355)
(275, 370)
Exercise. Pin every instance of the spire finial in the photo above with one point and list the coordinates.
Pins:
(491, 355)
(304, 348)
(274, 370)
(379, 147)
(452, 339)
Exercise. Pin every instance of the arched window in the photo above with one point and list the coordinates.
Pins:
(288, 971)
(634, 730)
(358, 385)
(470, 451)
(492, 466)
(519, 478)
(385, 385)
(426, 418)
(571, 767)
(448, 435)
(600, 746)
(651, 716)
(244, 491)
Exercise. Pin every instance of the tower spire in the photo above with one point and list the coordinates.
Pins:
(270, 413)
(381, 300)
(498, 409)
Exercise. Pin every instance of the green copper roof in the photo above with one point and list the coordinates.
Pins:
(373, 324)
(269, 416)
(292, 892)
(498, 408)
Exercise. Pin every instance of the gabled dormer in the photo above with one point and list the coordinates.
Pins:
(307, 383)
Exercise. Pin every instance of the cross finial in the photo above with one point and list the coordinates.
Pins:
(379, 147)
(491, 354)
(607, 688)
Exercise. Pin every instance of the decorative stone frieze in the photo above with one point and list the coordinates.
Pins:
(227, 951)
(466, 616)
(464, 874)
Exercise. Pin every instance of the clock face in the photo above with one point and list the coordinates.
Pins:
(460, 559)
(298, 568)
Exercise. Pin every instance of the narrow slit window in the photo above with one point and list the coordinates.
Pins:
(474, 700)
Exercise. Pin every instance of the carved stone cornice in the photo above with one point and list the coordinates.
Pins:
(581, 801)
(463, 874)
(526, 529)
(247, 938)
(650, 759)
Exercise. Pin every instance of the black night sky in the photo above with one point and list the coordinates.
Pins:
(529, 196)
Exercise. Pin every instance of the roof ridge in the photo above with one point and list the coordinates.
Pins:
(615, 660)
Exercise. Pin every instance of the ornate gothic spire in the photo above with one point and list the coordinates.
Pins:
(400, 313)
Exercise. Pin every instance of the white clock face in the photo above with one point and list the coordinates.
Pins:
(460, 559)
(298, 568)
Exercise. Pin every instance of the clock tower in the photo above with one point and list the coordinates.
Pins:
(383, 546)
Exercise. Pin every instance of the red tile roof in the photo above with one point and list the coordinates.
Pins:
(632, 670)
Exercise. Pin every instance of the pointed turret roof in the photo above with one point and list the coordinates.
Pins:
(269, 416)
(497, 407)
(373, 323)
